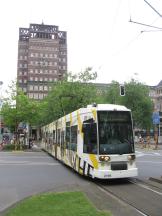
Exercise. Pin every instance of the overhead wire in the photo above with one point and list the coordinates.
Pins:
(149, 25)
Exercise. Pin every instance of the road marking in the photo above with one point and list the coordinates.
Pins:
(157, 153)
(3, 163)
(140, 154)
(154, 162)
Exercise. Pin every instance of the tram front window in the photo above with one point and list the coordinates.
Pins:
(115, 132)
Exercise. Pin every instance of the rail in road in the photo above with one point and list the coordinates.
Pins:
(142, 198)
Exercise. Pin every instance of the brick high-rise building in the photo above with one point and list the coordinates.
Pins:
(42, 58)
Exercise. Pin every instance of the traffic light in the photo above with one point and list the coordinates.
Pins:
(122, 90)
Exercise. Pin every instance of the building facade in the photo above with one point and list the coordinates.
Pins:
(156, 95)
(42, 58)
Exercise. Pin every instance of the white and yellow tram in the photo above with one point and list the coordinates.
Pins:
(96, 141)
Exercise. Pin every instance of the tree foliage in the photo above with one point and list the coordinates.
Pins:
(136, 98)
(19, 108)
(67, 95)
(73, 92)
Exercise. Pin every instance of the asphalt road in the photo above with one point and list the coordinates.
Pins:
(149, 163)
(23, 174)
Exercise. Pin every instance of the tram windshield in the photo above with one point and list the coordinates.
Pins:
(115, 132)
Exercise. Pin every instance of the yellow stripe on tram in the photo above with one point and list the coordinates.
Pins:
(94, 160)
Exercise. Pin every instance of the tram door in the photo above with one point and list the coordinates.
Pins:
(54, 140)
(62, 143)
(56, 143)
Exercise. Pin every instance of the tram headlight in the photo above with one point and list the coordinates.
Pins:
(101, 158)
(107, 158)
(104, 158)
(131, 157)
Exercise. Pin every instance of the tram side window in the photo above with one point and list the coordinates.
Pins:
(54, 137)
(59, 136)
(62, 139)
(67, 135)
(73, 143)
(90, 137)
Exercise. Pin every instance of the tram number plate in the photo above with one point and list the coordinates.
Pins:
(107, 175)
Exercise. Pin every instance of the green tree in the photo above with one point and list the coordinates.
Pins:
(17, 107)
(113, 93)
(67, 95)
(136, 98)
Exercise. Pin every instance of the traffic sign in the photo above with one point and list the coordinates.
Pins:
(156, 118)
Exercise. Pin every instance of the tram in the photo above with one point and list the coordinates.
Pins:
(96, 141)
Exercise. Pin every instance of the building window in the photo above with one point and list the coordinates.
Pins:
(40, 96)
(36, 88)
(30, 95)
(35, 95)
(31, 87)
(45, 88)
(24, 89)
(41, 88)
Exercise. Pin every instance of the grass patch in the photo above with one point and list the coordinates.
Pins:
(57, 204)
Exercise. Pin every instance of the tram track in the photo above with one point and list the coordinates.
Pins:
(136, 195)
(155, 188)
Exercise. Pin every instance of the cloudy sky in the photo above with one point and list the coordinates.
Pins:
(99, 35)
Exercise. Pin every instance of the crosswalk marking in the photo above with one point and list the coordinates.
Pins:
(141, 153)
